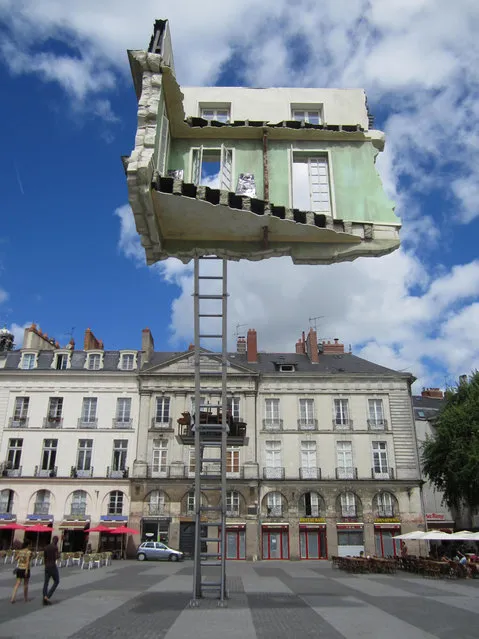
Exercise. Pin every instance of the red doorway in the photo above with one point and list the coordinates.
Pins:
(275, 540)
(384, 543)
(312, 542)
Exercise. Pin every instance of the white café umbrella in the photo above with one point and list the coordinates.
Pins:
(437, 535)
(415, 534)
(464, 535)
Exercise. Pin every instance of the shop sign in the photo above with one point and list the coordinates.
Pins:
(387, 520)
(435, 516)
(312, 520)
(160, 518)
(351, 526)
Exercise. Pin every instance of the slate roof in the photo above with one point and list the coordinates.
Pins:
(426, 408)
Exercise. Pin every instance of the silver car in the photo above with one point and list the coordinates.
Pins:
(157, 550)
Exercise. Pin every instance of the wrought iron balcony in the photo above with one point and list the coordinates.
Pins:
(273, 424)
(12, 472)
(81, 473)
(307, 424)
(313, 511)
(77, 511)
(41, 509)
(161, 423)
(45, 472)
(386, 473)
(310, 473)
(122, 423)
(51, 421)
(232, 512)
(156, 510)
(120, 473)
(346, 473)
(342, 424)
(18, 422)
(385, 511)
(235, 474)
(274, 511)
(349, 511)
(91, 423)
(377, 424)
(269, 472)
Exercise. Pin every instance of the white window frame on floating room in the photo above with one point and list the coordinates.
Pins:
(91, 357)
(227, 165)
(215, 111)
(163, 140)
(314, 159)
(310, 113)
(29, 357)
(125, 357)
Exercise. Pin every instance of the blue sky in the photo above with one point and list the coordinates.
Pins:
(69, 255)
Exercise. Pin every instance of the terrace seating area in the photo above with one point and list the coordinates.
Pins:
(426, 567)
(80, 559)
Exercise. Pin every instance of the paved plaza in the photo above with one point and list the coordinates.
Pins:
(267, 601)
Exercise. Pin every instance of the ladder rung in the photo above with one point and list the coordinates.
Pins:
(211, 563)
(210, 478)
(214, 444)
(211, 584)
(210, 277)
(210, 257)
(210, 487)
(218, 539)
(211, 405)
(211, 315)
(210, 554)
(212, 459)
(210, 336)
(211, 297)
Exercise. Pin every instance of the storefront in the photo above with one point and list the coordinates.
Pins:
(113, 543)
(312, 538)
(155, 529)
(7, 533)
(236, 541)
(275, 541)
(384, 543)
(439, 521)
(350, 539)
(38, 539)
(74, 535)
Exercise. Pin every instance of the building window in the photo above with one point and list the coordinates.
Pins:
(310, 115)
(341, 413)
(84, 454)
(286, 368)
(156, 503)
(274, 504)
(164, 143)
(348, 505)
(42, 503)
(273, 468)
(385, 505)
(120, 449)
(234, 407)
(344, 454)
(310, 504)
(55, 409)
(311, 188)
(212, 167)
(233, 461)
(78, 503)
(6, 501)
(28, 361)
(306, 414)
(376, 413)
(309, 463)
(191, 461)
(232, 503)
(123, 410)
(162, 410)
(127, 361)
(219, 114)
(115, 503)
(49, 454)
(20, 411)
(190, 502)
(88, 413)
(94, 362)
(380, 459)
(159, 457)
(14, 454)
(272, 420)
(61, 361)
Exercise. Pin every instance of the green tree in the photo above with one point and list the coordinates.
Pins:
(451, 457)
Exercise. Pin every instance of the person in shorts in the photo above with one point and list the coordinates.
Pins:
(22, 571)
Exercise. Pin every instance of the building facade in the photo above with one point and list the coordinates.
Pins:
(326, 464)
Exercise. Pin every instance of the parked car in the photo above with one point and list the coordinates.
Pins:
(157, 550)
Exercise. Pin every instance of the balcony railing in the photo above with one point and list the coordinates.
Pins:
(162, 471)
(385, 511)
(77, 511)
(45, 472)
(377, 424)
(156, 510)
(314, 511)
(346, 473)
(12, 472)
(122, 423)
(120, 473)
(235, 474)
(342, 424)
(232, 512)
(273, 473)
(52, 422)
(273, 424)
(80, 472)
(310, 473)
(349, 511)
(18, 422)
(41, 509)
(307, 424)
(274, 511)
(156, 422)
(384, 473)
(91, 423)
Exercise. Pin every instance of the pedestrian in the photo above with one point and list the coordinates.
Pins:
(22, 571)
(51, 555)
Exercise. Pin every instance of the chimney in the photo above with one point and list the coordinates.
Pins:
(241, 345)
(312, 346)
(301, 345)
(147, 344)
(34, 338)
(252, 346)
(90, 342)
(432, 392)
(333, 348)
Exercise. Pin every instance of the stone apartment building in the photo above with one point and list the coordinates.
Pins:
(327, 463)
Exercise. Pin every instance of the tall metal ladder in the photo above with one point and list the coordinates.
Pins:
(210, 468)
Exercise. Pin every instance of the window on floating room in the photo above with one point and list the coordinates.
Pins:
(219, 114)
(212, 167)
(309, 115)
(311, 183)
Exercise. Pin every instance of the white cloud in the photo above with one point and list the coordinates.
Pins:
(129, 243)
(18, 330)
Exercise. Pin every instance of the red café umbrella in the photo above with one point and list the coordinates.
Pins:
(38, 528)
(12, 526)
(124, 530)
(100, 529)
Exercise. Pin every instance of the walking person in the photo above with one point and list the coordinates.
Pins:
(51, 556)
(22, 571)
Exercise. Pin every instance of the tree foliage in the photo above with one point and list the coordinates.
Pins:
(451, 457)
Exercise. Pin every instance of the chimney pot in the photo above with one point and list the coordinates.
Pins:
(252, 346)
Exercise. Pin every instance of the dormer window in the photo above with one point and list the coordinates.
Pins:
(94, 361)
(61, 361)
(28, 361)
(216, 112)
(287, 368)
(127, 361)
